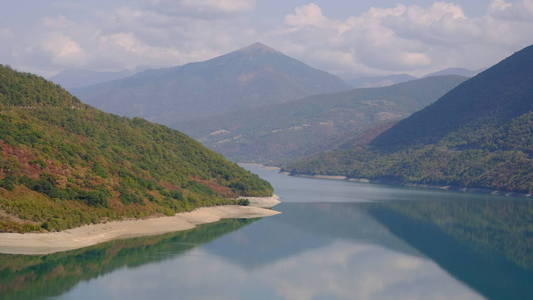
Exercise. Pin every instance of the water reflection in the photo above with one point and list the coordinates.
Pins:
(405, 244)
(38, 277)
(304, 227)
(485, 243)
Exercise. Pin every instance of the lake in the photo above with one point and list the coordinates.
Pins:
(333, 240)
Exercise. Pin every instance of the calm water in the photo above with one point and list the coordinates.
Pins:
(334, 240)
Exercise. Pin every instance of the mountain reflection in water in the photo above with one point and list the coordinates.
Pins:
(452, 246)
(39, 277)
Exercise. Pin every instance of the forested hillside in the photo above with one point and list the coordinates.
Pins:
(318, 123)
(64, 163)
(479, 135)
(482, 104)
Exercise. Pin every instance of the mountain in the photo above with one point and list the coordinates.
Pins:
(381, 81)
(250, 77)
(65, 163)
(76, 78)
(454, 71)
(479, 135)
(317, 123)
(486, 102)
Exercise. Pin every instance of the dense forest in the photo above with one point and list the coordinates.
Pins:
(64, 163)
(479, 135)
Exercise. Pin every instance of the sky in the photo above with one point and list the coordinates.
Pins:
(350, 38)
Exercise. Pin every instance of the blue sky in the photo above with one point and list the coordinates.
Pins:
(346, 37)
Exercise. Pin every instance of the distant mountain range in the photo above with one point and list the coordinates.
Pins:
(455, 71)
(479, 135)
(65, 164)
(259, 105)
(250, 77)
(381, 81)
(76, 78)
(316, 123)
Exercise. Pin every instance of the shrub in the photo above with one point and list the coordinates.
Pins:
(8, 183)
(243, 202)
(94, 198)
(199, 188)
(129, 198)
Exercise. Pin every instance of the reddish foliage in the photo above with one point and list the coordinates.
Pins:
(25, 158)
(169, 186)
(223, 191)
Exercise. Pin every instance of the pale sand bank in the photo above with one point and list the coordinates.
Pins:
(272, 168)
(330, 177)
(89, 235)
(264, 202)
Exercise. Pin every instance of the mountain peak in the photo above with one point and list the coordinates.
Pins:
(250, 77)
(454, 71)
(495, 96)
(258, 47)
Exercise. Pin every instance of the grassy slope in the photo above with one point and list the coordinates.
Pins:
(65, 164)
(479, 135)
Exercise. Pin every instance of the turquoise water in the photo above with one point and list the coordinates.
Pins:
(333, 240)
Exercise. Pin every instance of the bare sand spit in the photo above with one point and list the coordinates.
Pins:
(89, 235)
(264, 202)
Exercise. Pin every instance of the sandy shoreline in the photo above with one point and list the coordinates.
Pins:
(263, 202)
(272, 168)
(89, 235)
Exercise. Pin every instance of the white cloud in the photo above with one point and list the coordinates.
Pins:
(207, 8)
(222, 5)
(128, 50)
(64, 50)
(306, 15)
(408, 38)
(401, 38)
(6, 33)
(125, 38)
(362, 40)
(518, 11)
(60, 22)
